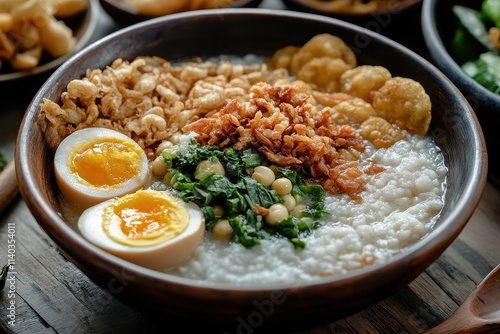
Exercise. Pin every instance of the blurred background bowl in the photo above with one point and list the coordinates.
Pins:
(83, 26)
(358, 12)
(439, 26)
(125, 15)
(213, 33)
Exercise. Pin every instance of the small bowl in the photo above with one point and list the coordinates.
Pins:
(387, 9)
(83, 25)
(438, 26)
(126, 15)
(221, 32)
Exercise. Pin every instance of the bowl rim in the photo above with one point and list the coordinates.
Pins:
(64, 235)
(89, 22)
(446, 63)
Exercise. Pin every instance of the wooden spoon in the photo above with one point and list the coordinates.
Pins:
(480, 313)
(8, 185)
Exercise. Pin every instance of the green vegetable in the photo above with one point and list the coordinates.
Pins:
(245, 229)
(236, 162)
(3, 162)
(291, 230)
(239, 193)
(464, 47)
(471, 47)
(314, 192)
(258, 193)
(491, 8)
(474, 22)
(191, 156)
(485, 70)
(492, 60)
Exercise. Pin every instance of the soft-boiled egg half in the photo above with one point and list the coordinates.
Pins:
(95, 164)
(151, 228)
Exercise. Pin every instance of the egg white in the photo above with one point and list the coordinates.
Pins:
(166, 254)
(84, 195)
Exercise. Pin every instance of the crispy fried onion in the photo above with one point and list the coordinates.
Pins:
(279, 122)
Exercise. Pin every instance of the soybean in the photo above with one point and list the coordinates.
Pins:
(264, 175)
(282, 186)
(277, 212)
(222, 230)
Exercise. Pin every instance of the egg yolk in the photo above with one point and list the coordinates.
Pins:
(145, 218)
(105, 162)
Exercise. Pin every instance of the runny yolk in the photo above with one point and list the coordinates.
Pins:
(145, 218)
(105, 162)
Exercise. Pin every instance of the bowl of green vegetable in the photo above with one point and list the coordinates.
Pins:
(463, 38)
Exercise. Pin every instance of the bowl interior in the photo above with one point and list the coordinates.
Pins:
(439, 25)
(215, 32)
(83, 26)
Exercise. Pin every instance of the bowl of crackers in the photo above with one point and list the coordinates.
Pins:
(38, 36)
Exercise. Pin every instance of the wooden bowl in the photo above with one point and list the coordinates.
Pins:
(215, 32)
(83, 26)
(125, 15)
(438, 26)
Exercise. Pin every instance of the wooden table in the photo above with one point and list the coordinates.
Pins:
(52, 296)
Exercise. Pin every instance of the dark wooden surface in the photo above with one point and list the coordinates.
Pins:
(52, 296)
